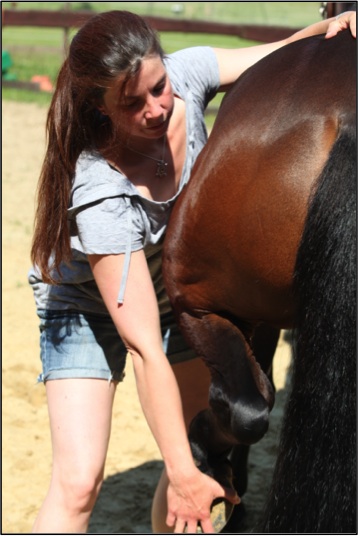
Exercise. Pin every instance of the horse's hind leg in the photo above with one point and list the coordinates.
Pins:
(210, 447)
(210, 450)
(264, 343)
(241, 395)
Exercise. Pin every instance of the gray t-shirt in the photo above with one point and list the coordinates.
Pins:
(108, 215)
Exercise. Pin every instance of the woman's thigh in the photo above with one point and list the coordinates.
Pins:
(80, 412)
(193, 378)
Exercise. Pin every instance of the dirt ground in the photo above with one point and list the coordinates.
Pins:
(133, 464)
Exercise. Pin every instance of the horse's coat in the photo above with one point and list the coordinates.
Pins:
(231, 248)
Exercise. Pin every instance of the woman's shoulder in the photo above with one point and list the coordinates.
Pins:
(194, 69)
(91, 165)
(197, 53)
(95, 179)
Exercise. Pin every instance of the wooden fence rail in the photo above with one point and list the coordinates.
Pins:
(74, 19)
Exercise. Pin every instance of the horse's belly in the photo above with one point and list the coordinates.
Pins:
(234, 289)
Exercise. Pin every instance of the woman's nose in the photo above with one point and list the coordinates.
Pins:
(153, 108)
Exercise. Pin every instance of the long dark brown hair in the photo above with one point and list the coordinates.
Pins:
(109, 45)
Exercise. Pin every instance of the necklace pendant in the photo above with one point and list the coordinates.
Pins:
(161, 169)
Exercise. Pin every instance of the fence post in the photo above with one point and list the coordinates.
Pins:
(66, 37)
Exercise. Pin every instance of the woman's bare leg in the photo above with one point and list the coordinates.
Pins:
(193, 378)
(80, 412)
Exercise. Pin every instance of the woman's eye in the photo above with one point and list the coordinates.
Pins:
(159, 90)
(132, 104)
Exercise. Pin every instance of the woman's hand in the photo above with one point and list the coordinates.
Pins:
(343, 21)
(190, 499)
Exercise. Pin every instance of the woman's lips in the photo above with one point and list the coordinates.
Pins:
(158, 127)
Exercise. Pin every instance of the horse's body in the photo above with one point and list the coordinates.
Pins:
(284, 139)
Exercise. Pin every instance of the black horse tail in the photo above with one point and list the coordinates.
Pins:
(314, 482)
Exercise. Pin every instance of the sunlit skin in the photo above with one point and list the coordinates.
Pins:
(147, 105)
(142, 114)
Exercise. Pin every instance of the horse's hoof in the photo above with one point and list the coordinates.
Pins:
(221, 511)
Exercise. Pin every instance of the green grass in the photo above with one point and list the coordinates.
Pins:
(287, 13)
(46, 58)
(41, 50)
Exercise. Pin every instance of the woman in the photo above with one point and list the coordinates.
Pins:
(124, 129)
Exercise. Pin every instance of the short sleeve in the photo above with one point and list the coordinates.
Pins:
(195, 69)
(107, 226)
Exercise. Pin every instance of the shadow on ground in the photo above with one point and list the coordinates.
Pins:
(125, 501)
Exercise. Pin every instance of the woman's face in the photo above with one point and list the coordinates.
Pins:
(147, 104)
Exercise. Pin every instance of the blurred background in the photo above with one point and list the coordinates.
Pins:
(33, 51)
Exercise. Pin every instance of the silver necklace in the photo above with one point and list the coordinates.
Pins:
(161, 163)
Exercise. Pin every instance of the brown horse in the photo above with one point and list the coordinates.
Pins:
(265, 232)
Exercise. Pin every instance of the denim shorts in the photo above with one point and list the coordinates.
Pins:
(85, 345)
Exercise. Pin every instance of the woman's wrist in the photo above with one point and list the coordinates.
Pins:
(179, 462)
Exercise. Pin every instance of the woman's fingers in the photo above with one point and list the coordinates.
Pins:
(342, 22)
